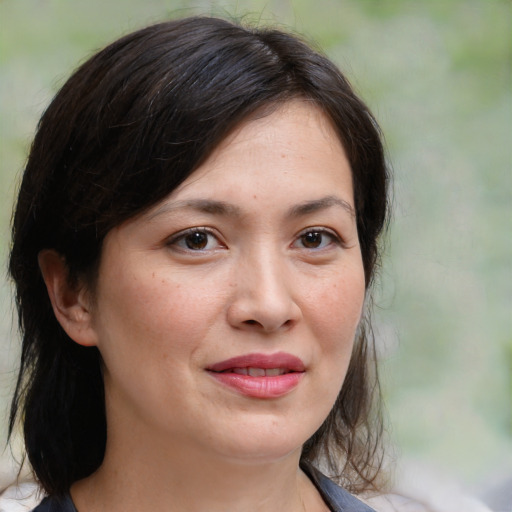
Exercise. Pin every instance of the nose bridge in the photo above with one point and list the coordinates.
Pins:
(264, 296)
(266, 273)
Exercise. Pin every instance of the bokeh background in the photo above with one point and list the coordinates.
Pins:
(437, 75)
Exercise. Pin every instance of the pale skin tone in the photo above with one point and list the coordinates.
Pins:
(256, 252)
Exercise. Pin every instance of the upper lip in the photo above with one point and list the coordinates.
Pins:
(265, 361)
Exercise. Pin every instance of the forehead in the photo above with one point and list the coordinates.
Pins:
(294, 147)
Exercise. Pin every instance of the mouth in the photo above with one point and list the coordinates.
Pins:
(260, 375)
(258, 372)
(280, 362)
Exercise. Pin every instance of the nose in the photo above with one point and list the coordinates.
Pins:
(264, 299)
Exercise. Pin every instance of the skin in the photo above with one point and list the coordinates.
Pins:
(277, 269)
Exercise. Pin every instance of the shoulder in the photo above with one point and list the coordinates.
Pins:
(430, 498)
(401, 503)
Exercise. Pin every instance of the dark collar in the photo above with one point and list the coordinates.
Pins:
(335, 497)
(56, 504)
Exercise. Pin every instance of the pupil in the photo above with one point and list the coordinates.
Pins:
(312, 239)
(197, 240)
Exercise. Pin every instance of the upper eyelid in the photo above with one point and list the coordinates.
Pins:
(321, 229)
(317, 228)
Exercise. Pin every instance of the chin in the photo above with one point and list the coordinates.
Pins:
(263, 442)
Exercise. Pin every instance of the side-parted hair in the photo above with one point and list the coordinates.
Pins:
(130, 125)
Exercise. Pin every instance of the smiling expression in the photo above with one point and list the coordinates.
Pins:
(226, 314)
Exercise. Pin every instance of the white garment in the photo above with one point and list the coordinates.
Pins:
(399, 503)
(20, 498)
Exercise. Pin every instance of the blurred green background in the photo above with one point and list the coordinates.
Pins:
(437, 75)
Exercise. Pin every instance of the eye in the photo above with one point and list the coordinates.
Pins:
(316, 238)
(195, 239)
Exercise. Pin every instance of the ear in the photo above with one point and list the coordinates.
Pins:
(70, 301)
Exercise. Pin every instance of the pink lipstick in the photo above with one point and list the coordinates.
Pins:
(260, 375)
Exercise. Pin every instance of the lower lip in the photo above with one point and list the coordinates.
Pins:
(260, 387)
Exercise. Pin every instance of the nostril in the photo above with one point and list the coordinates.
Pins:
(250, 322)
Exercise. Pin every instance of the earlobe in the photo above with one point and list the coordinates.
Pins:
(70, 301)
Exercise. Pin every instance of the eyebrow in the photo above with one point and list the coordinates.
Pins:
(215, 207)
(210, 206)
(320, 204)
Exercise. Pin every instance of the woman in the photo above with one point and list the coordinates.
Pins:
(195, 237)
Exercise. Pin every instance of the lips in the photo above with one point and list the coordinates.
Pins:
(260, 375)
(282, 360)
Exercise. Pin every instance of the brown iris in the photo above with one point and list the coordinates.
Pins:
(312, 239)
(197, 240)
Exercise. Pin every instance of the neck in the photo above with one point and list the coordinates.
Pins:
(138, 477)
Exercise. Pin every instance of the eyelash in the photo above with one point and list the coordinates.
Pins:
(182, 238)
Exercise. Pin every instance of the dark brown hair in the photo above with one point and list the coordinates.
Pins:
(126, 129)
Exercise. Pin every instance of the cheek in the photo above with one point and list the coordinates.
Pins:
(335, 313)
(154, 316)
(149, 330)
(337, 308)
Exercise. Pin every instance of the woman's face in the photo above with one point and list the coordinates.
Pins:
(226, 314)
